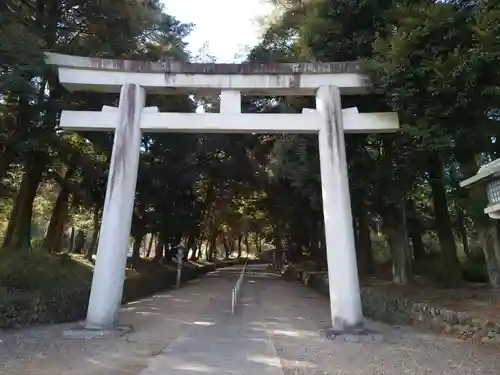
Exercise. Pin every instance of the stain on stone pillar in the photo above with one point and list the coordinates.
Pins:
(123, 133)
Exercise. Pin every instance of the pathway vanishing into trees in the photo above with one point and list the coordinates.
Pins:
(276, 330)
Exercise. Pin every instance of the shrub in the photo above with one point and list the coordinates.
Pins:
(37, 243)
(474, 269)
(36, 288)
(41, 271)
(380, 248)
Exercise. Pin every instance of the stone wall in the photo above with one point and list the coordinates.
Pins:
(380, 306)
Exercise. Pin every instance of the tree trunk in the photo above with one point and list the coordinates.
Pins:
(227, 247)
(213, 233)
(136, 249)
(212, 242)
(240, 239)
(444, 230)
(18, 234)
(58, 219)
(92, 249)
(462, 231)
(258, 243)
(418, 247)
(212, 250)
(278, 238)
(203, 234)
(159, 249)
(232, 244)
(203, 237)
(318, 240)
(20, 129)
(57, 246)
(71, 243)
(203, 252)
(79, 242)
(321, 230)
(191, 245)
(196, 254)
(247, 244)
(313, 243)
(354, 224)
(394, 229)
(199, 244)
(415, 232)
(150, 245)
(364, 241)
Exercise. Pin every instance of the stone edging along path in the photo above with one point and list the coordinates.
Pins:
(398, 310)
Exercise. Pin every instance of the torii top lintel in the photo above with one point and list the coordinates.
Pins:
(170, 76)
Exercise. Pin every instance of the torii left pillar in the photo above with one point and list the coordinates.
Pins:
(110, 265)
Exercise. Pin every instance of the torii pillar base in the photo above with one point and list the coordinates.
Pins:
(83, 333)
(356, 334)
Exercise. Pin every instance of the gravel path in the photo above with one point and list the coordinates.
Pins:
(286, 317)
(157, 322)
(222, 343)
(295, 317)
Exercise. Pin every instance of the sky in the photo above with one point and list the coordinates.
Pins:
(227, 25)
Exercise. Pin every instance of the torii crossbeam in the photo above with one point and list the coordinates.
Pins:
(155, 122)
(133, 79)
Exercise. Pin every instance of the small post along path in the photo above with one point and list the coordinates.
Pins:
(236, 292)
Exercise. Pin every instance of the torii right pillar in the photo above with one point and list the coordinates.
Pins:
(345, 298)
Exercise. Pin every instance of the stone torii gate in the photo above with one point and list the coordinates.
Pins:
(133, 79)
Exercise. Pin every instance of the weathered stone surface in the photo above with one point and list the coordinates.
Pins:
(179, 67)
(463, 318)
(448, 328)
(450, 316)
(81, 332)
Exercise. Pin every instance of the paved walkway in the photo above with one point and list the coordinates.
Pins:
(277, 330)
